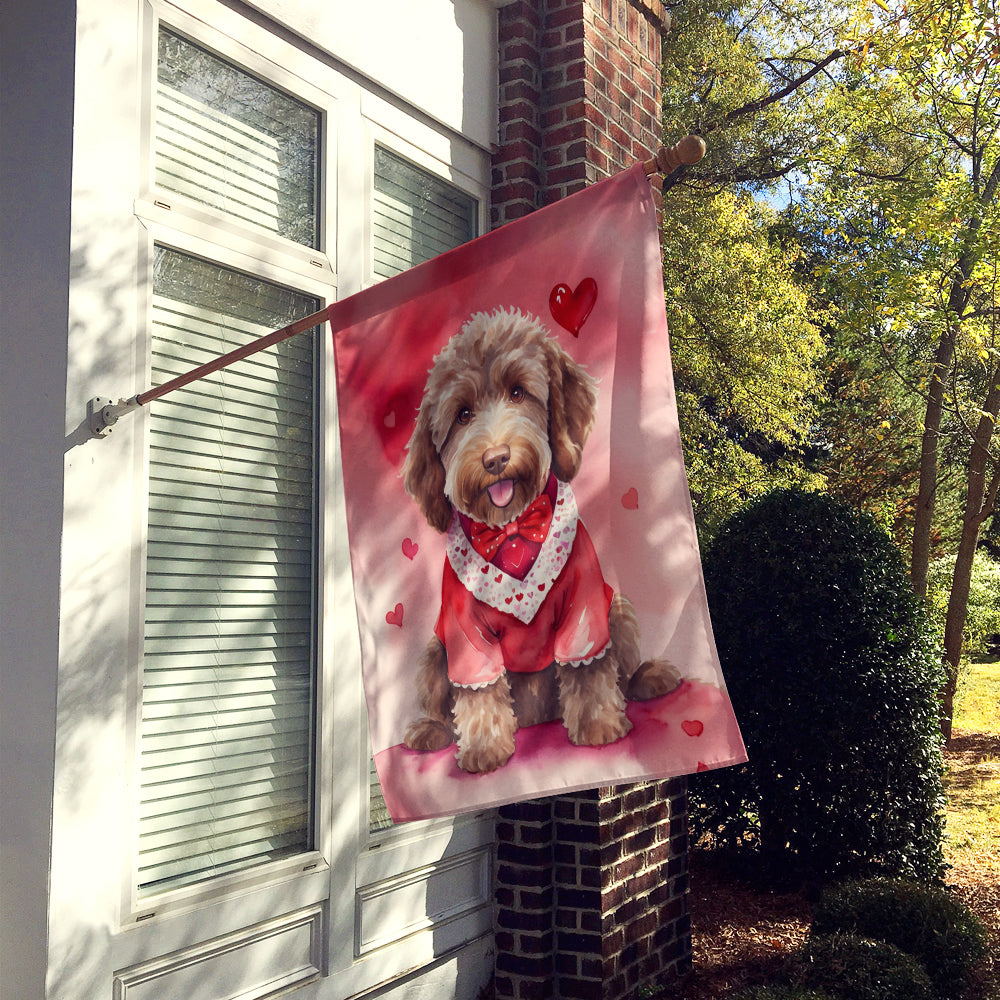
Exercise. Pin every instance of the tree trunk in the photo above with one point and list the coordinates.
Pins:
(980, 498)
(920, 553)
(958, 299)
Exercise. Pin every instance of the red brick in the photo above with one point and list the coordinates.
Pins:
(567, 174)
(518, 49)
(521, 130)
(563, 54)
(523, 170)
(574, 988)
(570, 132)
(571, 14)
(518, 91)
(642, 882)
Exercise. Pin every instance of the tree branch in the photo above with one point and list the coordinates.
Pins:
(754, 106)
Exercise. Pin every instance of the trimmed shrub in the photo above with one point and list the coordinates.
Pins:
(856, 968)
(925, 922)
(833, 672)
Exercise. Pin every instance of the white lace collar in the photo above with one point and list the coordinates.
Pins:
(489, 584)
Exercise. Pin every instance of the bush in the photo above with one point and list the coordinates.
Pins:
(856, 968)
(833, 672)
(925, 922)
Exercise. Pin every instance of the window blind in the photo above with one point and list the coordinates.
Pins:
(228, 654)
(415, 216)
(225, 139)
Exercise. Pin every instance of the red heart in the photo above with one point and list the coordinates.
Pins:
(702, 766)
(570, 309)
(393, 415)
(630, 501)
(410, 548)
(395, 617)
(693, 727)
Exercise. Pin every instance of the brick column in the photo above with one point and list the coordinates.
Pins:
(591, 888)
(579, 96)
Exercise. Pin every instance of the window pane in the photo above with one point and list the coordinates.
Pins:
(228, 140)
(416, 216)
(228, 655)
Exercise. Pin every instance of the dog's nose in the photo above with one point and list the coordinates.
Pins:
(495, 459)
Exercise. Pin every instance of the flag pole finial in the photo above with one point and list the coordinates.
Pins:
(687, 152)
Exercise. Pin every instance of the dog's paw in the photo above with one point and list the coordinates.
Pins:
(652, 679)
(600, 730)
(483, 759)
(428, 734)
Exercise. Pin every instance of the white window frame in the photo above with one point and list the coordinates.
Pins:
(351, 875)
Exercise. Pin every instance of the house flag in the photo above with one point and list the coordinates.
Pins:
(526, 572)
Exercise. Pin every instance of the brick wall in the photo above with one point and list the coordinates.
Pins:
(591, 893)
(579, 96)
(591, 888)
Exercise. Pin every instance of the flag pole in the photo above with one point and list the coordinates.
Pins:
(103, 413)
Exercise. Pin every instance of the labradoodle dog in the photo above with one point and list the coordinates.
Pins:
(528, 629)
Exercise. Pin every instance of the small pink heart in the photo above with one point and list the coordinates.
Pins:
(630, 500)
(693, 727)
(410, 548)
(389, 420)
(569, 308)
(395, 617)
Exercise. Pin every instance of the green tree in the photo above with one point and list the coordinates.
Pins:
(910, 181)
(746, 76)
(880, 123)
(746, 348)
(747, 358)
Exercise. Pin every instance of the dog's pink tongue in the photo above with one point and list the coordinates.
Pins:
(501, 493)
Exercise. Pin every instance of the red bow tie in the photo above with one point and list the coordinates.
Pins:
(532, 525)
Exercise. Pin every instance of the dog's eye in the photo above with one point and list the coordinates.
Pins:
(464, 415)
(517, 394)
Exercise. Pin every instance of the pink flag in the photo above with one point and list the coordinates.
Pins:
(526, 570)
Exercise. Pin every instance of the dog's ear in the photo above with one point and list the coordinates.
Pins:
(572, 410)
(423, 475)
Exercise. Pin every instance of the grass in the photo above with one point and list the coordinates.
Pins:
(973, 807)
(973, 781)
(978, 697)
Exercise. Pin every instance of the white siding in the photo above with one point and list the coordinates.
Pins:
(76, 298)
